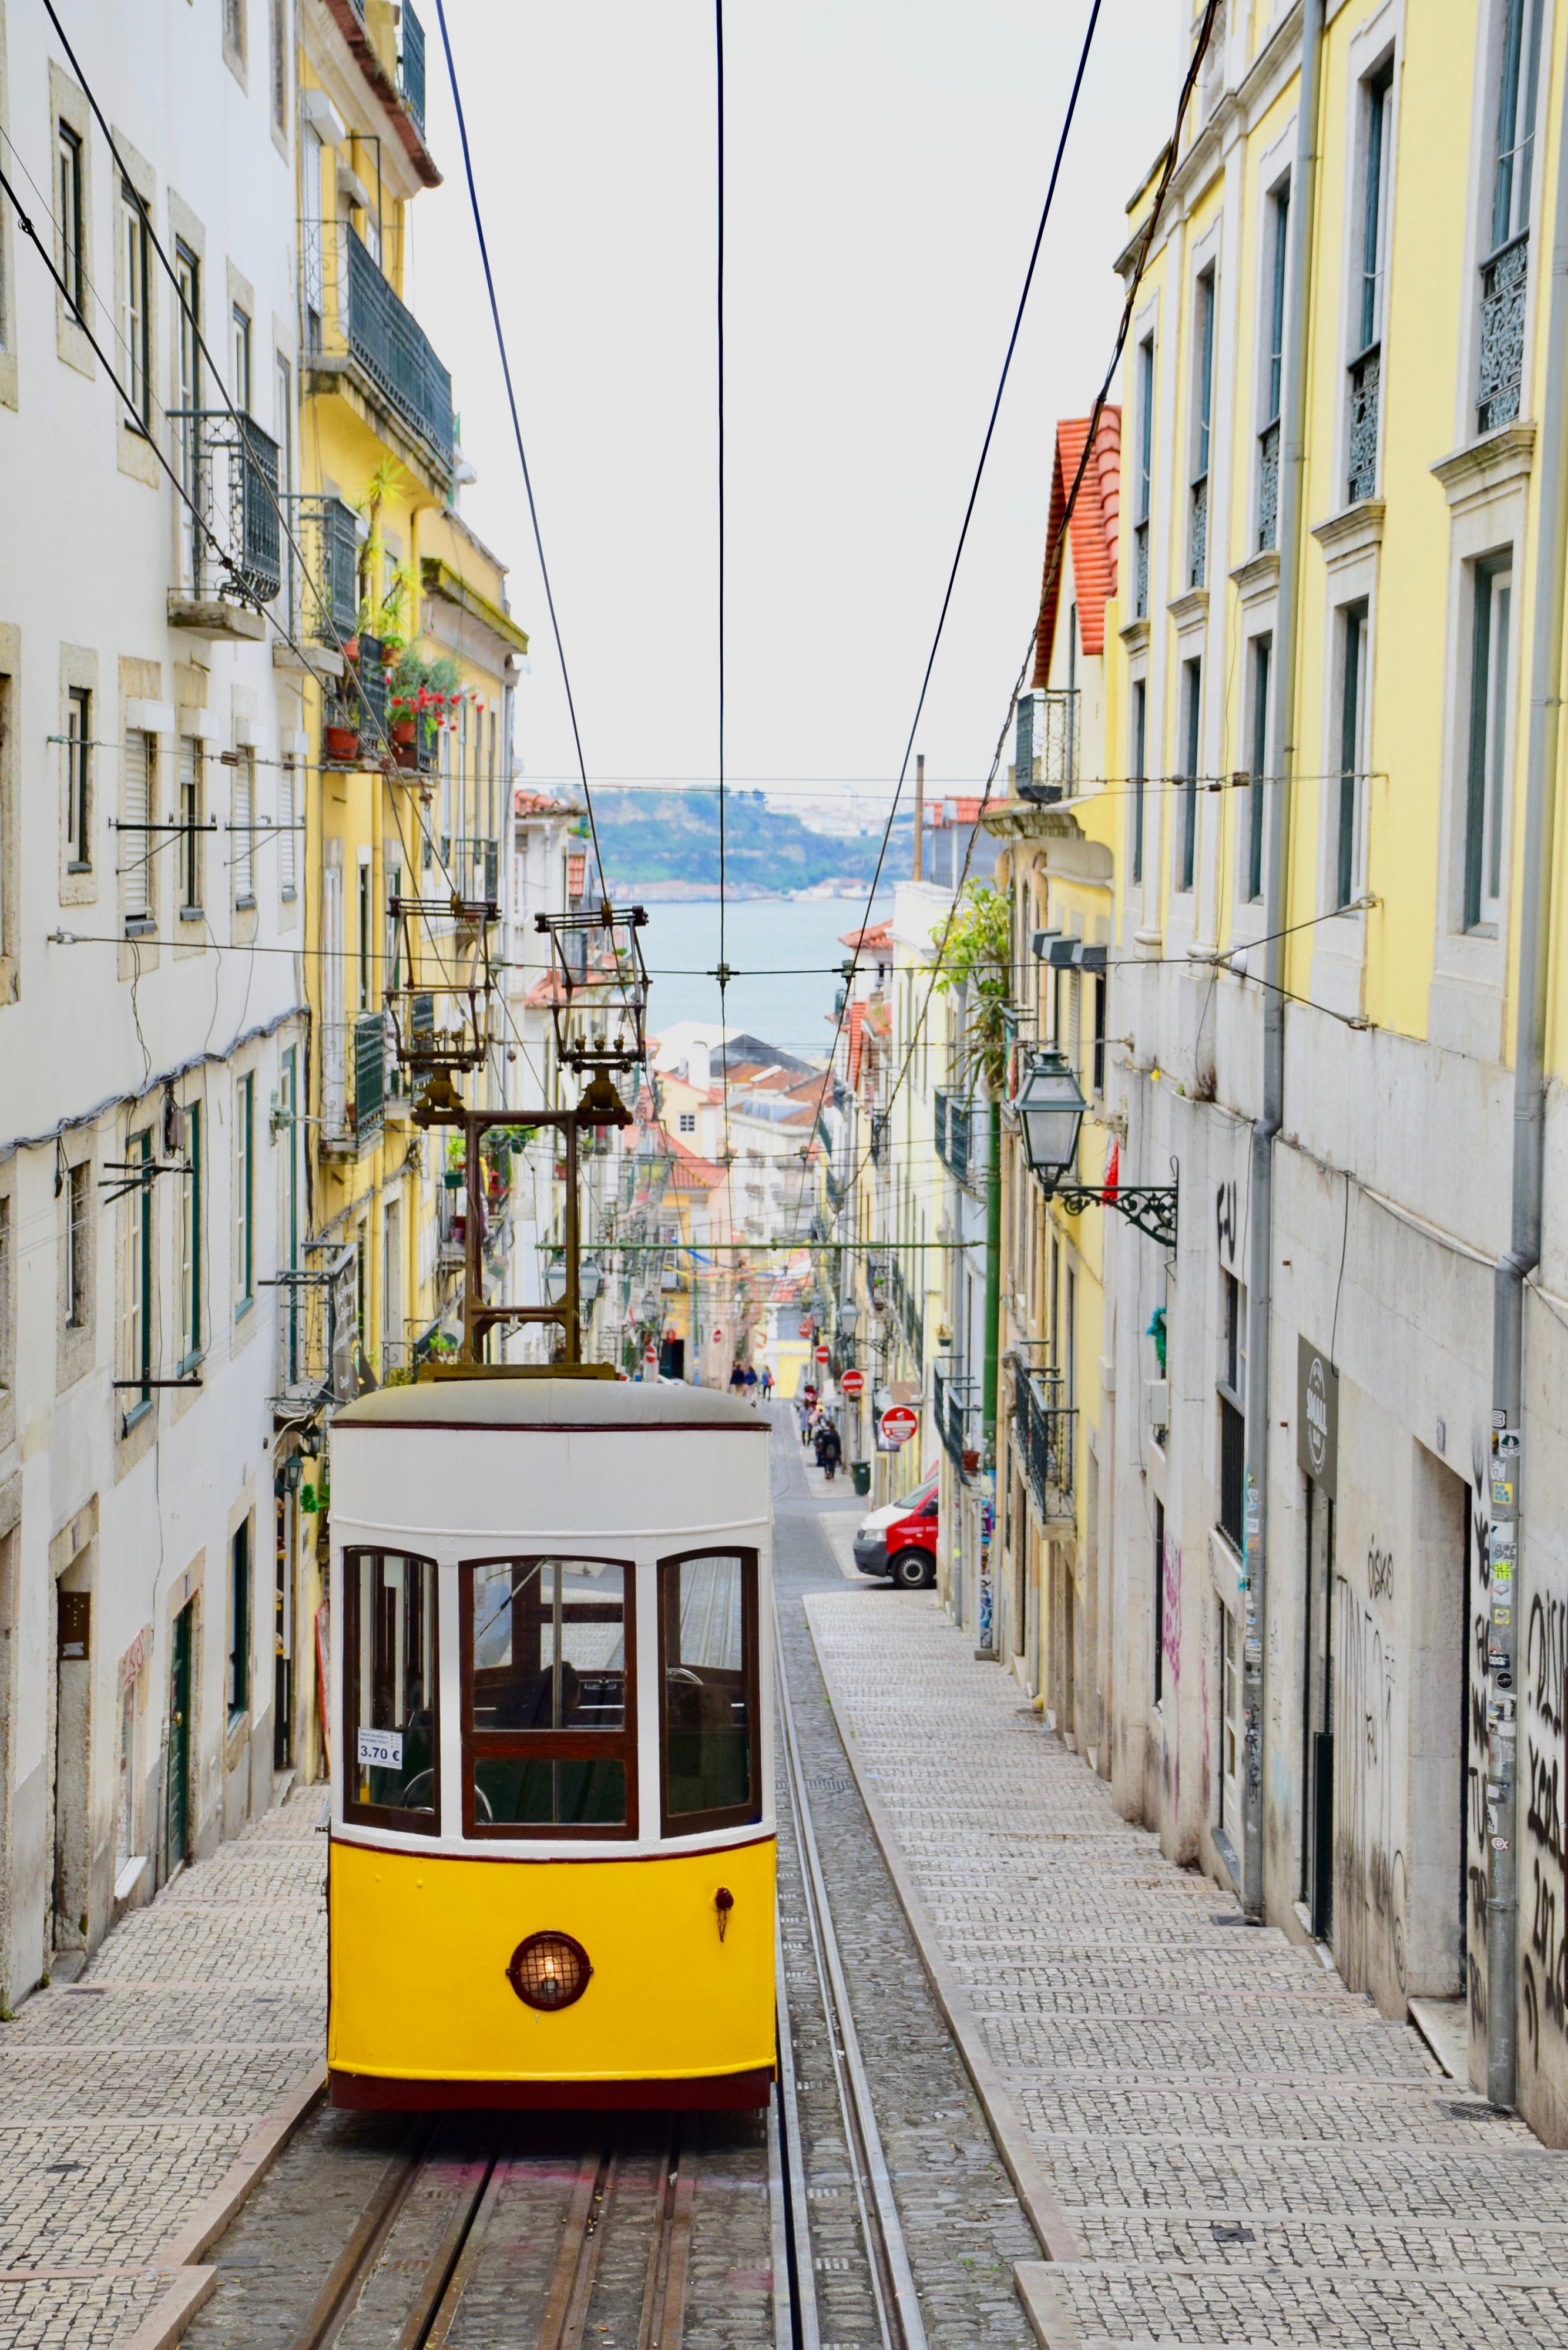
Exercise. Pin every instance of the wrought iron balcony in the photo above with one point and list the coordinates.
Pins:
(1197, 567)
(324, 578)
(1046, 768)
(1365, 386)
(354, 1081)
(962, 1129)
(955, 1401)
(317, 1324)
(1269, 486)
(1505, 280)
(352, 316)
(228, 466)
(411, 67)
(1044, 1435)
(879, 1138)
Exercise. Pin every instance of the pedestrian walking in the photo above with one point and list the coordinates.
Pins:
(829, 1448)
(807, 1412)
(766, 1384)
(737, 1377)
(751, 1385)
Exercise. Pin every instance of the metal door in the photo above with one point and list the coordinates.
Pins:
(178, 1801)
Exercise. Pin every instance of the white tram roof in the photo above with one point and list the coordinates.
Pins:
(553, 1404)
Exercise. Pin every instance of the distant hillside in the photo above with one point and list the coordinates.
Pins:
(673, 836)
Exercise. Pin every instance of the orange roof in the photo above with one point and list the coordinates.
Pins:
(856, 1022)
(1093, 534)
(963, 812)
(526, 803)
(879, 934)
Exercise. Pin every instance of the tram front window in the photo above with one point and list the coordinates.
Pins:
(547, 1731)
(708, 1633)
(390, 1745)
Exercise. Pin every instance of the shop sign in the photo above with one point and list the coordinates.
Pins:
(1317, 1417)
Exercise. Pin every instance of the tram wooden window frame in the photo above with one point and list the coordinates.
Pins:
(387, 1815)
(726, 1815)
(547, 1745)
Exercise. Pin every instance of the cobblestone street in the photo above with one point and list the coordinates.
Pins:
(136, 2101)
(1221, 2143)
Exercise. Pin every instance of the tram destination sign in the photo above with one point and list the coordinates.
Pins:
(1317, 1417)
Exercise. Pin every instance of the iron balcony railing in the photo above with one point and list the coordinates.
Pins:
(955, 1404)
(412, 71)
(317, 1324)
(1044, 1435)
(1365, 386)
(352, 312)
(1046, 765)
(1504, 282)
(1269, 486)
(475, 857)
(879, 1136)
(354, 1080)
(324, 591)
(962, 1129)
(228, 467)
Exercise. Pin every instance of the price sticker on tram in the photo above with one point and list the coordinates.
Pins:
(381, 1750)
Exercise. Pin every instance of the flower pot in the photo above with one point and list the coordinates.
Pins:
(403, 730)
(407, 754)
(342, 743)
(970, 1461)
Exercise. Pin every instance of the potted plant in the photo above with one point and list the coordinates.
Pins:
(420, 693)
(342, 734)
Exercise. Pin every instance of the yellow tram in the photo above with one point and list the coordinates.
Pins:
(552, 1868)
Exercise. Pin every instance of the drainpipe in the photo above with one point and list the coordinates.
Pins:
(1538, 870)
(988, 1411)
(1282, 752)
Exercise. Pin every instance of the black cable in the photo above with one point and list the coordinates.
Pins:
(723, 971)
(967, 515)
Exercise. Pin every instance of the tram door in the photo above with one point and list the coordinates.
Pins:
(177, 1832)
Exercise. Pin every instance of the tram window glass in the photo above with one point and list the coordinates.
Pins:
(549, 1741)
(708, 1680)
(390, 1700)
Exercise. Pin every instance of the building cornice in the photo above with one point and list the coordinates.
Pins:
(1134, 636)
(1188, 611)
(1474, 474)
(438, 578)
(1258, 577)
(1355, 531)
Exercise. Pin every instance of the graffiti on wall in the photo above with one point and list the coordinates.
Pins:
(1475, 1755)
(1369, 1893)
(1545, 1966)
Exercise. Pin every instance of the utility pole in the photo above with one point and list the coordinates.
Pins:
(919, 814)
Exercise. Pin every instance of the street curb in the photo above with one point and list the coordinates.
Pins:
(1042, 2304)
(191, 2285)
(1044, 2213)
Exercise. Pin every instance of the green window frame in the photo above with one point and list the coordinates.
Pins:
(245, 1190)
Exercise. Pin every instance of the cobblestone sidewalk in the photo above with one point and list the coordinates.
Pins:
(1238, 2149)
(127, 2096)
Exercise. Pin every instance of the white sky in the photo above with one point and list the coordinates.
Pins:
(887, 162)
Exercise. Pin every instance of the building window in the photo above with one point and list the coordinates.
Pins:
(239, 1673)
(288, 820)
(245, 1189)
(366, 919)
(1367, 366)
(1143, 482)
(1277, 262)
(279, 24)
(1486, 800)
(1506, 268)
(189, 825)
(79, 1246)
(1140, 731)
(79, 779)
(1262, 657)
(1203, 424)
(707, 1684)
(1352, 735)
(1232, 1410)
(139, 1276)
(240, 361)
(1191, 715)
(243, 856)
(70, 223)
(687, 1121)
(190, 1241)
(1097, 1031)
(135, 318)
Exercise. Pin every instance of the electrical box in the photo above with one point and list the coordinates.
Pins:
(1159, 1394)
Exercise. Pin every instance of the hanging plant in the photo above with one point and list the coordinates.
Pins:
(977, 958)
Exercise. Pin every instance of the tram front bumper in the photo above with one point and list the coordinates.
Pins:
(422, 2012)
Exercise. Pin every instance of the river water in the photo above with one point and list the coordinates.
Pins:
(783, 953)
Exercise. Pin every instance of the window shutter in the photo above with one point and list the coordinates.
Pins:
(136, 809)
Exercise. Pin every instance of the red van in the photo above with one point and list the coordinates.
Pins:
(900, 1540)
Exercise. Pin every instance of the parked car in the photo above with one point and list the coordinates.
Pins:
(900, 1540)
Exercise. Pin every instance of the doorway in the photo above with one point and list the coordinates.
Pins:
(73, 1672)
(283, 1638)
(1448, 1735)
(177, 1807)
(1317, 1718)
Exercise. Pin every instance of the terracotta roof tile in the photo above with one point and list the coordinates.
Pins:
(1093, 534)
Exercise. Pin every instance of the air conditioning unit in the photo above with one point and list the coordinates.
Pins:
(1159, 1394)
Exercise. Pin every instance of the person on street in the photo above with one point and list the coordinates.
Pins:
(737, 1377)
(807, 1412)
(751, 1385)
(766, 1384)
(829, 1450)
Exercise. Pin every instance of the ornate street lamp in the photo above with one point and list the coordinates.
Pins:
(590, 1281)
(848, 1315)
(1049, 1107)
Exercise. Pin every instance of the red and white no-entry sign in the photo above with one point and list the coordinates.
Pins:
(899, 1423)
(805, 1328)
(823, 1353)
(851, 1383)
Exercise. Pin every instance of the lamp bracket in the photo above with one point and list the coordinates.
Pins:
(1151, 1208)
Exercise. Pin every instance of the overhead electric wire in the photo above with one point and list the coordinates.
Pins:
(1054, 552)
(723, 971)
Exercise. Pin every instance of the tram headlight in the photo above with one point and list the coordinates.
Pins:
(549, 1970)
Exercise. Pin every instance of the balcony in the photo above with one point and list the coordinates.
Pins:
(411, 67)
(475, 865)
(317, 1324)
(1044, 1435)
(231, 563)
(1365, 386)
(879, 1138)
(354, 1083)
(955, 1403)
(324, 589)
(353, 323)
(1504, 282)
(1047, 768)
(1269, 486)
(962, 1130)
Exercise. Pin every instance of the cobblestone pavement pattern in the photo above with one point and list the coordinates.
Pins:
(1247, 2152)
(127, 2095)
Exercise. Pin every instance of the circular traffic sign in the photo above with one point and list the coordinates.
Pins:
(850, 1383)
(823, 1354)
(805, 1328)
(899, 1423)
